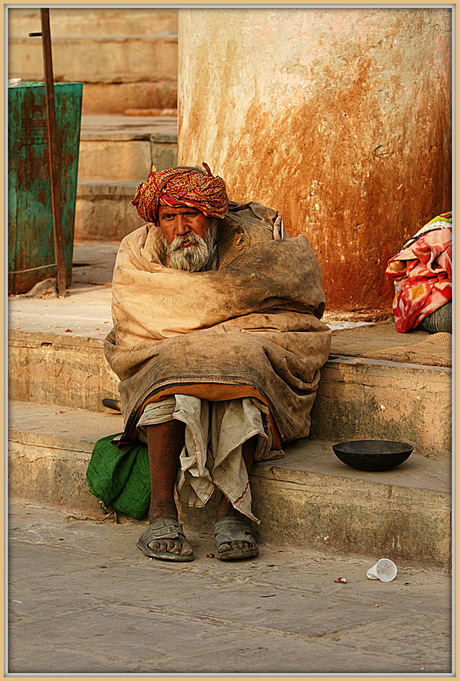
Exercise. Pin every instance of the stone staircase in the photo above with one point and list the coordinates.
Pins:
(116, 153)
(126, 58)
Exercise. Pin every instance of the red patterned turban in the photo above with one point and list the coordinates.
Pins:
(184, 187)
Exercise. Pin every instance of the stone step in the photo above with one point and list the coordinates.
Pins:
(121, 94)
(309, 498)
(61, 368)
(80, 56)
(66, 366)
(124, 148)
(116, 154)
(105, 90)
(360, 399)
(104, 211)
(73, 21)
(118, 95)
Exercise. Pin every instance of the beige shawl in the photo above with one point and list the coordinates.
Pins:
(254, 322)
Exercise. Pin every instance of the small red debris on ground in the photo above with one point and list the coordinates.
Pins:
(342, 580)
(210, 555)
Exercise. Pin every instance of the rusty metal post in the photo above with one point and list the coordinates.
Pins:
(54, 152)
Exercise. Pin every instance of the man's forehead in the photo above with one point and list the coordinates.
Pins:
(177, 209)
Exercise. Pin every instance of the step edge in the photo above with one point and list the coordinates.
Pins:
(160, 37)
(287, 475)
(268, 470)
(112, 79)
(355, 362)
(37, 339)
(131, 136)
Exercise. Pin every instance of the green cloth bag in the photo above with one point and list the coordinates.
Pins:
(120, 477)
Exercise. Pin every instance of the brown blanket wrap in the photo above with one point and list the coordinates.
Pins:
(252, 322)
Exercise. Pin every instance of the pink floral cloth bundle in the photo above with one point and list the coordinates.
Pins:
(423, 273)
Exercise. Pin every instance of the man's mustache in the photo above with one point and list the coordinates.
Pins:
(186, 238)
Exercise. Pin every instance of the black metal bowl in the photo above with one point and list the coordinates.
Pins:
(373, 455)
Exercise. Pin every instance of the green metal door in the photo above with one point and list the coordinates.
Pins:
(31, 255)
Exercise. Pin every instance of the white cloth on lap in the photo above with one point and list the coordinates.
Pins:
(212, 454)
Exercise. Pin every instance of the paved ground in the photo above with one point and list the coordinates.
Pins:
(83, 599)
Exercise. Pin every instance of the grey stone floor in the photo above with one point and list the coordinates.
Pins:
(84, 600)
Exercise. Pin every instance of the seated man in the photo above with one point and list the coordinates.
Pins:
(218, 343)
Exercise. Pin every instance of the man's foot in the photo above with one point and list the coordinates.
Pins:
(164, 540)
(233, 539)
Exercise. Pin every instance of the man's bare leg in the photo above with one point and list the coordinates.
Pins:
(165, 442)
(225, 508)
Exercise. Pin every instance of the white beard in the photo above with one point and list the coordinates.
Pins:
(192, 258)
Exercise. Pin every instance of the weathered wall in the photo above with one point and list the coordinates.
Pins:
(338, 118)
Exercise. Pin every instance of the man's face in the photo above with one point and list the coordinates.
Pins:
(180, 221)
(188, 236)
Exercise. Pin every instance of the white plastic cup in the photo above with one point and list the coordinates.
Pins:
(384, 569)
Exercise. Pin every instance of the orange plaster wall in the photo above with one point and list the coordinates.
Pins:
(338, 118)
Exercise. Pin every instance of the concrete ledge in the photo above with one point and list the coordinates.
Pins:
(357, 399)
(49, 450)
(365, 398)
(81, 21)
(128, 134)
(115, 126)
(97, 54)
(117, 97)
(122, 159)
(124, 156)
(402, 514)
(88, 189)
(308, 498)
(116, 148)
(104, 210)
(57, 369)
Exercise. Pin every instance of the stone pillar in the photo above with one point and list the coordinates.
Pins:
(338, 118)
